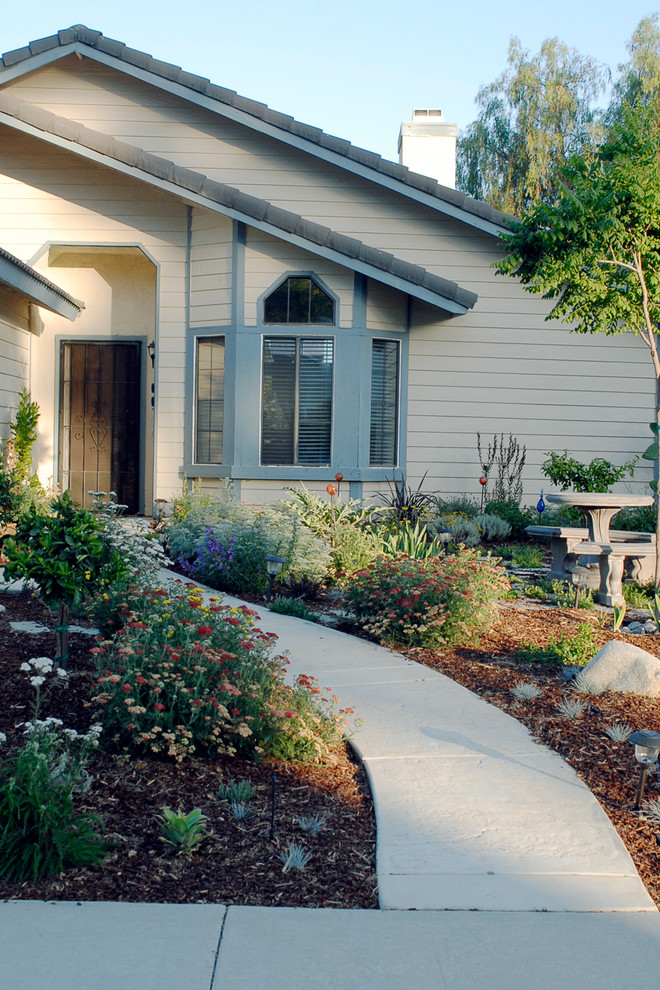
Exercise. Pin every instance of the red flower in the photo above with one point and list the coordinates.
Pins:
(232, 621)
(159, 708)
(127, 687)
(204, 630)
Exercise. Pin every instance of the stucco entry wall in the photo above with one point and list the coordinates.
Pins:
(118, 288)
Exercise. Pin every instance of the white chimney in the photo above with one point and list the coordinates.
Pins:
(427, 144)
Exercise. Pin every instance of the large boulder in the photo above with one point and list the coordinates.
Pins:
(624, 667)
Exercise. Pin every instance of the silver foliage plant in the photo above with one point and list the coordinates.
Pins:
(294, 857)
(619, 732)
(571, 707)
(526, 691)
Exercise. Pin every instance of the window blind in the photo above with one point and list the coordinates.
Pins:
(297, 400)
(383, 439)
(209, 400)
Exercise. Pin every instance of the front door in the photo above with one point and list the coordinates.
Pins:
(100, 406)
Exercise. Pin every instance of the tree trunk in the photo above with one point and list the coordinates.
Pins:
(62, 636)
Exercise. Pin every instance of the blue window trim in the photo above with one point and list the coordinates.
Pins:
(351, 394)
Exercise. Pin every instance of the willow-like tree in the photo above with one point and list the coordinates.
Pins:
(596, 249)
(538, 113)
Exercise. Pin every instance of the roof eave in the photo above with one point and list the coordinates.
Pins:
(32, 287)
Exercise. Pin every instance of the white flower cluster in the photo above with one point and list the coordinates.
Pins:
(39, 667)
(45, 724)
(41, 723)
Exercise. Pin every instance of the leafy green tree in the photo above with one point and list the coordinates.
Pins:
(538, 113)
(596, 250)
(639, 79)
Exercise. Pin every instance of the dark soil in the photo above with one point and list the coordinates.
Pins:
(237, 862)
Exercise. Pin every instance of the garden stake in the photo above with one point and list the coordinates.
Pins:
(272, 809)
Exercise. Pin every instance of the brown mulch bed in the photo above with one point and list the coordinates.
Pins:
(238, 862)
(491, 670)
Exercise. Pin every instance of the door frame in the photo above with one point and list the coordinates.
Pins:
(140, 339)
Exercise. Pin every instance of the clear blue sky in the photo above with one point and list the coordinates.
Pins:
(355, 68)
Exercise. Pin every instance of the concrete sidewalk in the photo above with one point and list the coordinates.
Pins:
(471, 813)
(497, 868)
(207, 947)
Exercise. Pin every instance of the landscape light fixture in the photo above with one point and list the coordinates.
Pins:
(647, 748)
(443, 536)
(273, 565)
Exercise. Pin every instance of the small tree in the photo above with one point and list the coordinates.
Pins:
(65, 554)
(596, 250)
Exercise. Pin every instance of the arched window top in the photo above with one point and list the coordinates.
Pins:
(299, 299)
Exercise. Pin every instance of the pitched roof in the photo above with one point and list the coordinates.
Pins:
(409, 183)
(34, 287)
(196, 187)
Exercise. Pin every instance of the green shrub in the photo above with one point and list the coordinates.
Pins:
(462, 505)
(447, 599)
(462, 530)
(597, 476)
(522, 555)
(576, 650)
(517, 518)
(560, 593)
(182, 676)
(40, 831)
(66, 556)
(292, 606)
(639, 519)
(344, 526)
(638, 597)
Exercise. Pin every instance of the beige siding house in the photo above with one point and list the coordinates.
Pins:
(266, 303)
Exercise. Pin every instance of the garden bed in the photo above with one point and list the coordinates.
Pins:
(237, 862)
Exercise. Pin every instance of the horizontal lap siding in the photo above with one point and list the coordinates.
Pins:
(267, 259)
(554, 390)
(211, 269)
(14, 356)
(386, 308)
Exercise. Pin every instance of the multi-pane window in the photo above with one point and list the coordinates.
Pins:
(384, 403)
(209, 400)
(296, 401)
(299, 300)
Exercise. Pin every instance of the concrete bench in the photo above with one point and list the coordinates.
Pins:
(608, 560)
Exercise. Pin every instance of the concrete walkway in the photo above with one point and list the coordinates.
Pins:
(497, 869)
